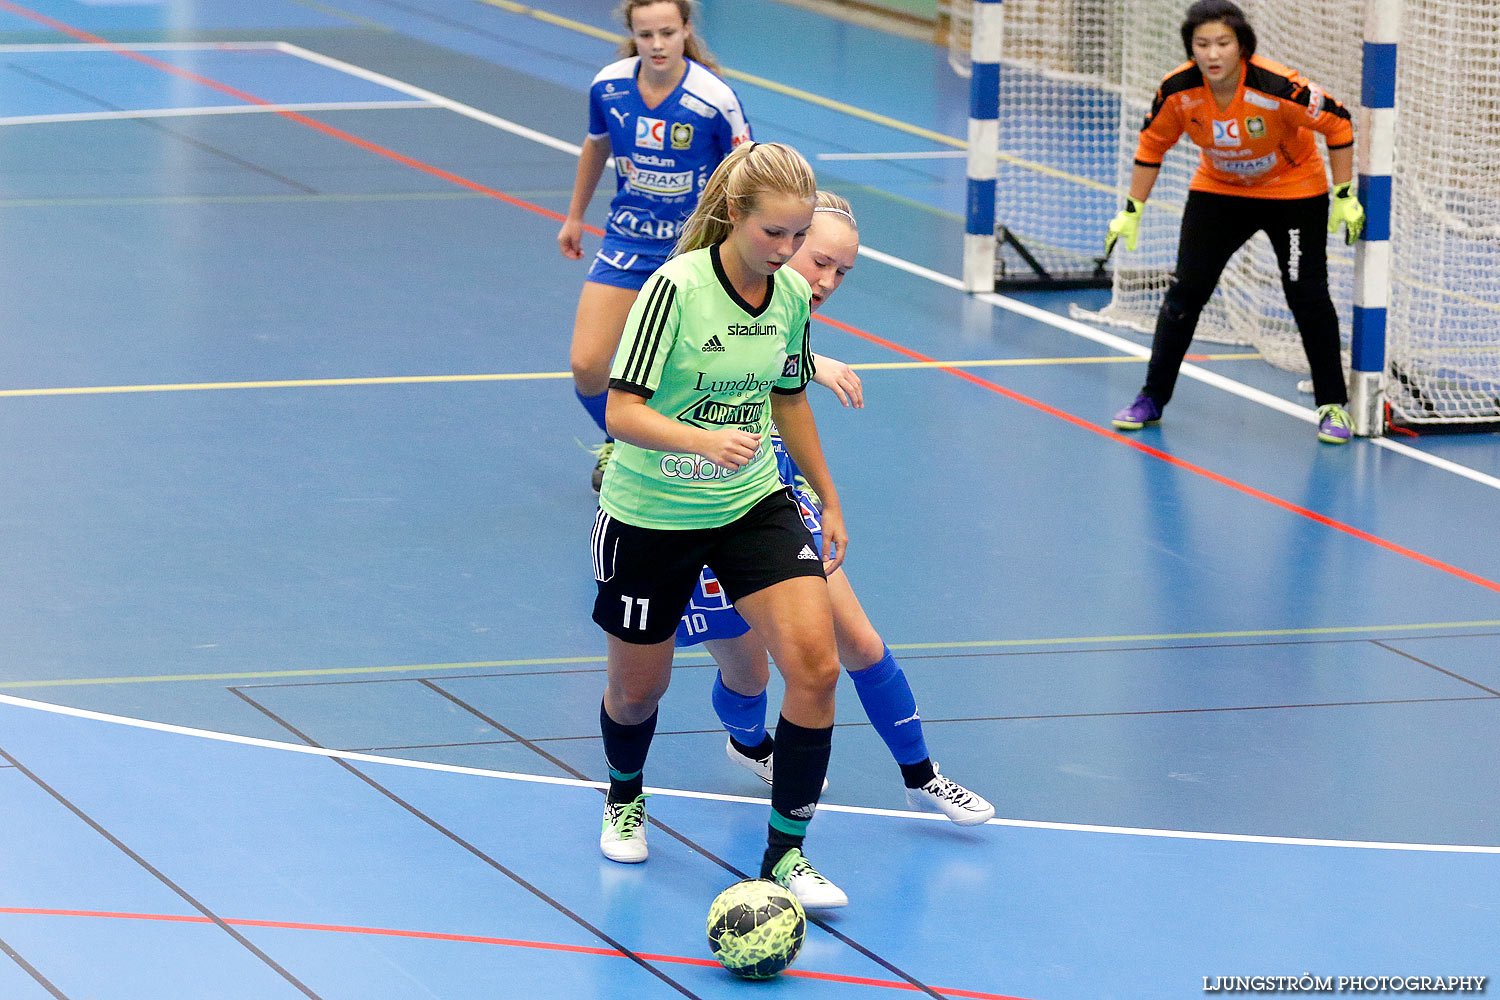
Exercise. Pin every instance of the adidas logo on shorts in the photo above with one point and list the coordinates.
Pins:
(807, 553)
(713, 345)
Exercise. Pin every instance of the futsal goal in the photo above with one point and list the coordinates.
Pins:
(1418, 298)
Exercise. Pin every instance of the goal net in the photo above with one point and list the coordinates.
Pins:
(1077, 80)
(1443, 326)
(1059, 136)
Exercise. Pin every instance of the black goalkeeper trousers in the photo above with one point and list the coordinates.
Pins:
(1214, 226)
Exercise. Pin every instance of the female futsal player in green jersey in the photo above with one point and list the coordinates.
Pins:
(715, 347)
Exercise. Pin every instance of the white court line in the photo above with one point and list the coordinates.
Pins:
(1303, 413)
(218, 109)
(1130, 347)
(495, 121)
(422, 765)
(1041, 315)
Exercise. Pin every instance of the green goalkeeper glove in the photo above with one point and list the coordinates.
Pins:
(1126, 224)
(1347, 211)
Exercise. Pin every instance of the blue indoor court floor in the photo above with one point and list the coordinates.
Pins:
(299, 692)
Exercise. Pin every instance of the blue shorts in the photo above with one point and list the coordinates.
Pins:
(710, 615)
(626, 265)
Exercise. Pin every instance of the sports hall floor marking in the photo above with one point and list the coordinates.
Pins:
(572, 949)
(217, 109)
(137, 54)
(1087, 640)
(339, 12)
(808, 97)
(540, 779)
(1040, 314)
(307, 383)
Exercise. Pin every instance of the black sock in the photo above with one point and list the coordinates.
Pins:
(766, 748)
(801, 764)
(917, 775)
(777, 844)
(625, 749)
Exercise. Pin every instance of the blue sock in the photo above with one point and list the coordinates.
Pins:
(743, 716)
(595, 406)
(888, 701)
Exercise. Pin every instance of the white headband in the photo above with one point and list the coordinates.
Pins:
(830, 208)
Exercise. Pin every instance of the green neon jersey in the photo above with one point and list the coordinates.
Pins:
(698, 353)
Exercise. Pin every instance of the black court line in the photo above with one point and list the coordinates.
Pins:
(32, 971)
(926, 721)
(1434, 666)
(158, 126)
(162, 878)
(432, 746)
(699, 848)
(472, 849)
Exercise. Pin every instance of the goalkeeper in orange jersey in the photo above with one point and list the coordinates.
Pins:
(1259, 170)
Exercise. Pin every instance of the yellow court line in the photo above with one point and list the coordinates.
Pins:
(803, 95)
(300, 383)
(261, 675)
(1085, 640)
(305, 383)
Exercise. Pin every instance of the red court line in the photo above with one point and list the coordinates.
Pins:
(1010, 394)
(29, 911)
(1180, 463)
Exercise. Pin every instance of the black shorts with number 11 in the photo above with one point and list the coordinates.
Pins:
(647, 575)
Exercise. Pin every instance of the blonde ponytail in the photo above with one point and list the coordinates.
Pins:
(751, 170)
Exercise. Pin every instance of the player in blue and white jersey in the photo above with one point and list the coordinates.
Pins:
(739, 693)
(669, 120)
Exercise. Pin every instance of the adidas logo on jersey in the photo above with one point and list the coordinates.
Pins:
(807, 553)
(713, 345)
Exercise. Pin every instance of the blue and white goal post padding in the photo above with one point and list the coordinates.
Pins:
(984, 145)
(1375, 157)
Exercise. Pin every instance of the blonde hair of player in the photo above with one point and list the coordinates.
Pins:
(751, 170)
(837, 206)
(694, 48)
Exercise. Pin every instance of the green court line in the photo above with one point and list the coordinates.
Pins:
(698, 655)
(323, 8)
(1172, 636)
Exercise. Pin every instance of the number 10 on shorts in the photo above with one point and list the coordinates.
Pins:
(631, 603)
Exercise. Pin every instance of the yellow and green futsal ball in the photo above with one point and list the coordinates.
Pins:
(755, 928)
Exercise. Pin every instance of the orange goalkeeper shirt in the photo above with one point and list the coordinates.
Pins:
(1262, 144)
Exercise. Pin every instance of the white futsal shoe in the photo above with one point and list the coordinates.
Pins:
(944, 795)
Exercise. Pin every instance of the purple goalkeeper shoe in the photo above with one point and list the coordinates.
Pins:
(1335, 426)
(1138, 414)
